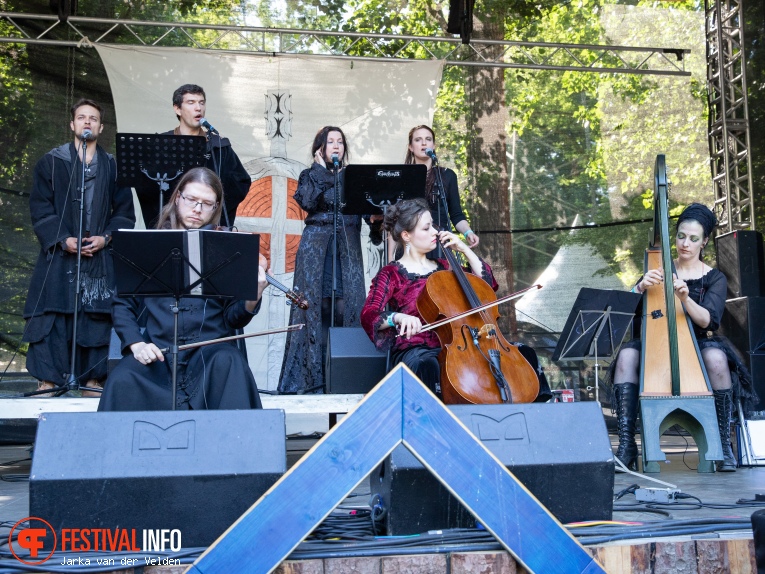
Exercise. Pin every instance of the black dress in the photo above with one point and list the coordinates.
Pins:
(212, 377)
(303, 364)
(709, 291)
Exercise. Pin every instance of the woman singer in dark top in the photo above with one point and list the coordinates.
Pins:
(421, 150)
(702, 291)
(303, 364)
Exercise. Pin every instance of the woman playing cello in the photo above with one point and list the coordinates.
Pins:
(399, 284)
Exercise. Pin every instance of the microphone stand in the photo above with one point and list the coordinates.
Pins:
(211, 131)
(441, 192)
(72, 383)
(335, 217)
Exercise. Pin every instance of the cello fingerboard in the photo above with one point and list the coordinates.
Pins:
(657, 376)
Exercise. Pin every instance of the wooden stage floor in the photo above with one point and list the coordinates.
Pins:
(719, 489)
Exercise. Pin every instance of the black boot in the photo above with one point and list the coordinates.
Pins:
(724, 408)
(626, 397)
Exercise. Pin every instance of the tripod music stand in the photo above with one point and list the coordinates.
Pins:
(374, 188)
(179, 263)
(143, 158)
(595, 327)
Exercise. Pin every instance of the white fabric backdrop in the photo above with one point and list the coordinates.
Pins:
(376, 103)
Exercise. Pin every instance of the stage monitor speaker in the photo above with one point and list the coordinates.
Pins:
(195, 471)
(559, 451)
(354, 365)
(743, 323)
(740, 258)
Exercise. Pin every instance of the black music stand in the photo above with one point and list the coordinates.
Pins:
(180, 263)
(596, 326)
(146, 158)
(374, 188)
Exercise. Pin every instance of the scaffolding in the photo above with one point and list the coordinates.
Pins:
(85, 32)
(729, 146)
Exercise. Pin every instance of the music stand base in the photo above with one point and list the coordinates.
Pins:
(695, 415)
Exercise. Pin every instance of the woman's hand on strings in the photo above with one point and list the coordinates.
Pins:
(681, 288)
(146, 353)
(449, 239)
(408, 325)
(652, 277)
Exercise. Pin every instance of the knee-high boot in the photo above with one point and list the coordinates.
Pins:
(626, 396)
(724, 408)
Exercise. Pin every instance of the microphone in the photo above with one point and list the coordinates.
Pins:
(431, 154)
(335, 160)
(208, 126)
(86, 135)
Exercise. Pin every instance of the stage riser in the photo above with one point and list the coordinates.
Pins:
(198, 475)
(560, 452)
(733, 555)
(740, 258)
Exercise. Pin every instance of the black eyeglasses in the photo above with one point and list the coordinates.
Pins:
(192, 203)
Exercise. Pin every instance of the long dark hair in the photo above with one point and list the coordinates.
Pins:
(409, 159)
(168, 217)
(320, 143)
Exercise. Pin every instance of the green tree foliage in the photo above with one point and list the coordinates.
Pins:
(39, 84)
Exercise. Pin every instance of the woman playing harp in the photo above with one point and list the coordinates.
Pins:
(702, 291)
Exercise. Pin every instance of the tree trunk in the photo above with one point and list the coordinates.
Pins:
(487, 160)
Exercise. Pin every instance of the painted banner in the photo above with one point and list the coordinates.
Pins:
(271, 108)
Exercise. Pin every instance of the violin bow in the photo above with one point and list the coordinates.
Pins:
(296, 327)
(478, 309)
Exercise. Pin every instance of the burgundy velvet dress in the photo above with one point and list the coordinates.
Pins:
(398, 288)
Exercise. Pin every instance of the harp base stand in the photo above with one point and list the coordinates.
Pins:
(696, 415)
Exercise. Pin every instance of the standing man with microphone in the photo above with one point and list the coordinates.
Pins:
(190, 105)
(54, 204)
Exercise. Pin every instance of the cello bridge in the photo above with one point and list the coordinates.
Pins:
(488, 331)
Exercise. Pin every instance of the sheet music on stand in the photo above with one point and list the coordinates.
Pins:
(370, 189)
(182, 263)
(149, 162)
(596, 326)
(212, 263)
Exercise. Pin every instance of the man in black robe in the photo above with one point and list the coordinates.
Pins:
(189, 103)
(215, 376)
(54, 206)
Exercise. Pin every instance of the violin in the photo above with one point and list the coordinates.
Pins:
(478, 366)
(293, 297)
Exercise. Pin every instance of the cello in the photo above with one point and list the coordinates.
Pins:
(674, 386)
(478, 366)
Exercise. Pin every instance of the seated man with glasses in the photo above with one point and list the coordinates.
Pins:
(210, 377)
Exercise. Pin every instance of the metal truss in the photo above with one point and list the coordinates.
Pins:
(88, 32)
(728, 115)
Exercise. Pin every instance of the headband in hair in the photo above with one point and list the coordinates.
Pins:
(700, 213)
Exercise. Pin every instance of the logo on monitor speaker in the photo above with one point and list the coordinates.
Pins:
(150, 439)
(510, 431)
